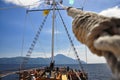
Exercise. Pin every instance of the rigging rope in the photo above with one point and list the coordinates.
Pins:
(80, 64)
(83, 4)
(77, 74)
(30, 19)
(86, 53)
(23, 36)
(33, 43)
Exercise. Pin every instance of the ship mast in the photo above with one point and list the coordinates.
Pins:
(53, 25)
(54, 8)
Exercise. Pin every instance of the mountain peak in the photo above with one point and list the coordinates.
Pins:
(60, 56)
(62, 59)
(59, 59)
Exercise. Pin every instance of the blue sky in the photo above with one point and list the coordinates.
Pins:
(13, 25)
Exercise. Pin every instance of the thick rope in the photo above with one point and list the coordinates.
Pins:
(113, 64)
(101, 34)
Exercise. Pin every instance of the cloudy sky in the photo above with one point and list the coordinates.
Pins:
(17, 29)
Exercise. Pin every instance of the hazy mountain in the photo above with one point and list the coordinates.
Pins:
(59, 59)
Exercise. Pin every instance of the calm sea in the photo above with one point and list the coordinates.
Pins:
(95, 71)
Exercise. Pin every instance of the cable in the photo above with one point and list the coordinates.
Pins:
(64, 7)
(35, 32)
(86, 53)
(23, 37)
(70, 40)
(84, 4)
(80, 64)
(33, 43)
(80, 3)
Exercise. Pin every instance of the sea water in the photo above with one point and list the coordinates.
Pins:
(95, 71)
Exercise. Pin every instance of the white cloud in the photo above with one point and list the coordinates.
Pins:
(111, 12)
(33, 3)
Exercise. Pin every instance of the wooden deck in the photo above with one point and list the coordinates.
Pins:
(43, 74)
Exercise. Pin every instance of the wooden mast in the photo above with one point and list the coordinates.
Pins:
(53, 25)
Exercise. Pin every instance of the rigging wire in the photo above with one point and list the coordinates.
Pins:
(35, 32)
(57, 39)
(56, 29)
(69, 37)
(23, 38)
(80, 64)
(22, 46)
(83, 4)
(70, 48)
(25, 60)
(82, 9)
(86, 53)
(80, 3)
(31, 22)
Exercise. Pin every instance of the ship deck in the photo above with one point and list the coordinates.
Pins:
(63, 73)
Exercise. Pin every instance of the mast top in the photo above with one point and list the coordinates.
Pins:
(51, 2)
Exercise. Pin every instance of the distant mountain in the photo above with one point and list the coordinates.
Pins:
(59, 59)
(62, 59)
